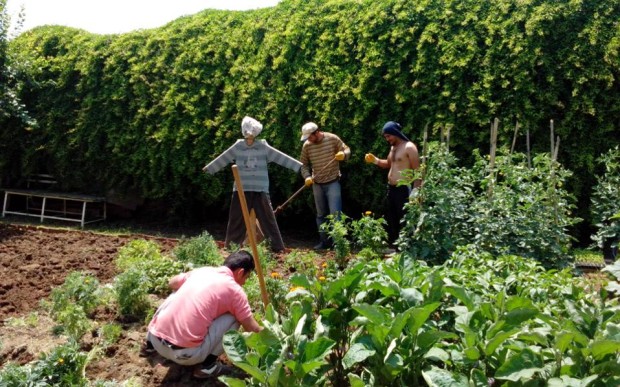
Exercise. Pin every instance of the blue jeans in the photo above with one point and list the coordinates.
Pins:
(327, 200)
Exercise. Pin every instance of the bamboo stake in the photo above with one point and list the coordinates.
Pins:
(494, 127)
(527, 140)
(448, 138)
(514, 138)
(552, 135)
(251, 236)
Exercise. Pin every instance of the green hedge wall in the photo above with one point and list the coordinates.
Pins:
(142, 112)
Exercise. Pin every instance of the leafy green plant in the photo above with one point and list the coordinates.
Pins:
(336, 228)
(605, 206)
(110, 333)
(136, 252)
(298, 261)
(79, 289)
(513, 209)
(145, 256)
(369, 235)
(200, 251)
(63, 366)
(131, 289)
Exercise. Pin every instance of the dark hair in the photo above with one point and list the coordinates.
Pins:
(240, 260)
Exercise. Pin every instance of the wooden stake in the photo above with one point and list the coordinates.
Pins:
(527, 141)
(250, 230)
(494, 127)
(514, 138)
(552, 137)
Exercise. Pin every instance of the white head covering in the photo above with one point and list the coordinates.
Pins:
(307, 130)
(250, 127)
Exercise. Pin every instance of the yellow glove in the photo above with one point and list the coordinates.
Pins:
(308, 182)
(339, 156)
(371, 159)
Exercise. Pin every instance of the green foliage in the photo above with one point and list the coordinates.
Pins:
(144, 257)
(336, 228)
(347, 65)
(199, 251)
(369, 235)
(136, 252)
(132, 289)
(512, 209)
(64, 366)
(110, 333)
(79, 289)
(605, 204)
(400, 322)
(71, 304)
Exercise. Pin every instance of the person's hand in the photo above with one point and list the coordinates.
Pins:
(308, 182)
(339, 156)
(371, 159)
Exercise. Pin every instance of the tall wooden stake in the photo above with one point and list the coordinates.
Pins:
(494, 127)
(514, 138)
(527, 142)
(250, 230)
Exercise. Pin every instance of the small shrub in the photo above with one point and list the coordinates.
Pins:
(369, 235)
(64, 366)
(337, 230)
(131, 289)
(110, 333)
(137, 252)
(78, 289)
(200, 251)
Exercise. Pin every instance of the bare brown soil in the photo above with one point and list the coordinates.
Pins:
(34, 260)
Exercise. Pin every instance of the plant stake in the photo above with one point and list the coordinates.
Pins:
(251, 236)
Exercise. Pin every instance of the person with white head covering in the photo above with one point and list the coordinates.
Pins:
(252, 157)
(321, 154)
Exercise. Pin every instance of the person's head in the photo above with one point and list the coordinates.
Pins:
(250, 128)
(392, 132)
(310, 131)
(241, 263)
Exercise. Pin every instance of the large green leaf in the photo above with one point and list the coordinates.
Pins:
(437, 377)
(520, 367)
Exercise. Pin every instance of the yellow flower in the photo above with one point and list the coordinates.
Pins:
(324, 265)
(61, 360)
(321, 278)
(296, 288)
(275, 275)
(368, 213)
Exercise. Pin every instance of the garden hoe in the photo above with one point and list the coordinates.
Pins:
(282, 206)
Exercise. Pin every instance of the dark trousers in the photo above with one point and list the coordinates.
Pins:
(397, 196)
(260, 202)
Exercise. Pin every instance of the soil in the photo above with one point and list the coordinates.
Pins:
(35, 259)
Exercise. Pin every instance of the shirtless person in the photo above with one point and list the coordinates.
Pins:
(403, 155)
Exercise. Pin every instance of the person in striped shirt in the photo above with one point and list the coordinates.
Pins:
(252, 157)
(321, 155)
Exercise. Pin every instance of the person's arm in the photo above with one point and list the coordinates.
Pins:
(281, 158)
(221, 161)
(412, 155)
(305, 163)
(251, 325)
(176, 281)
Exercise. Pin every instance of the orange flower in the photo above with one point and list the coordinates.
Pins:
(296, 288)
(275, 275)
(324, 265)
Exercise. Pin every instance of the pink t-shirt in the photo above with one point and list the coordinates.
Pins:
(205, 294)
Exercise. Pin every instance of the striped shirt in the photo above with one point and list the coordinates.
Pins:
(318, 155)
(252, 163)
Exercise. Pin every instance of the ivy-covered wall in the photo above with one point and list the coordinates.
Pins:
(142, 112)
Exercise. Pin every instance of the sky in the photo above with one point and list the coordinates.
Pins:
(116, 16)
